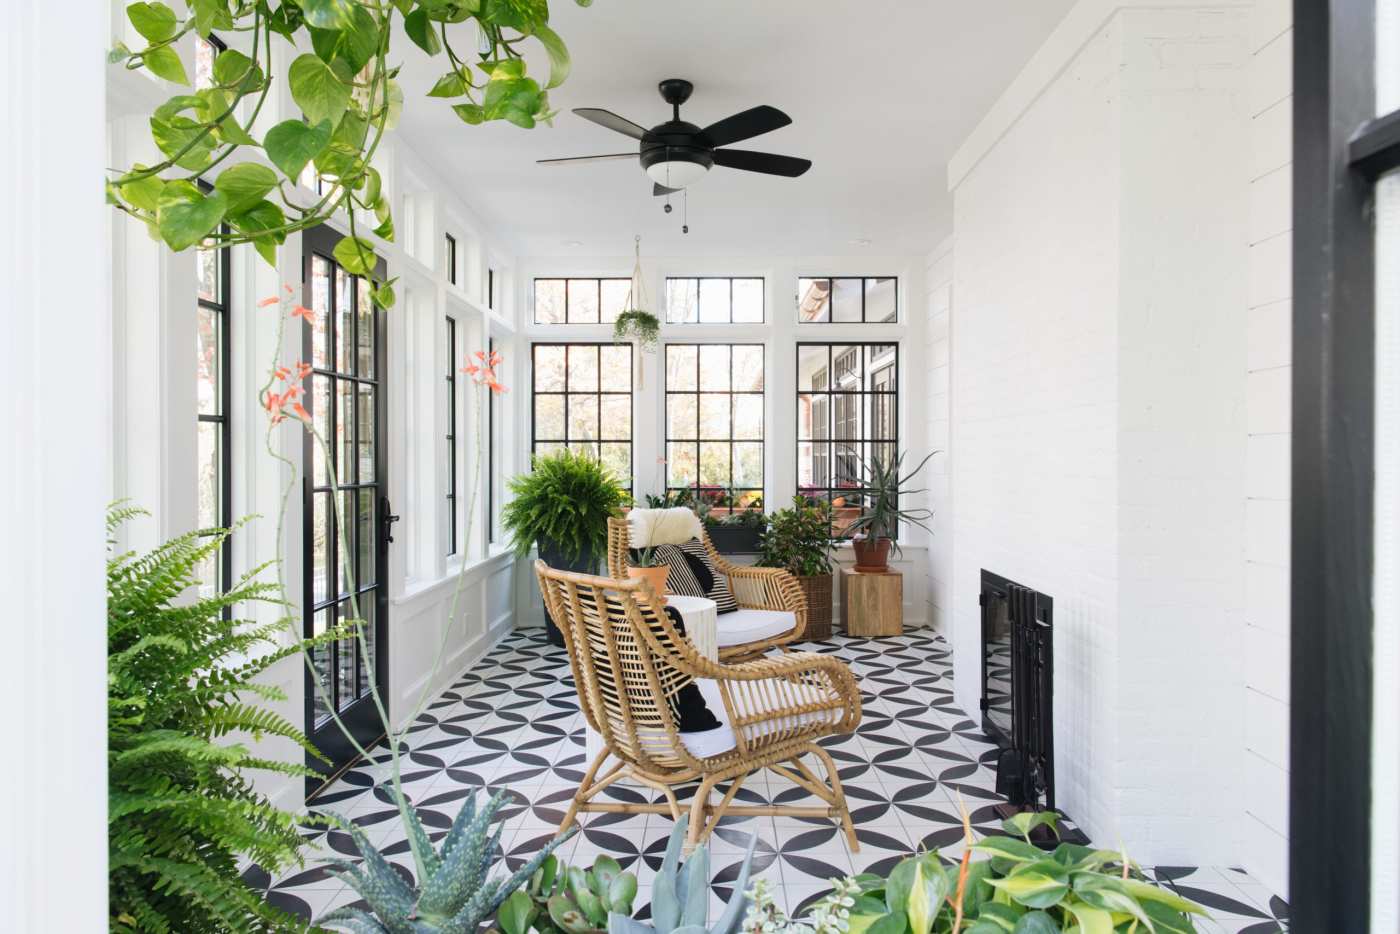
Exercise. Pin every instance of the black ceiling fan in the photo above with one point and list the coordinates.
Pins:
(676, 154)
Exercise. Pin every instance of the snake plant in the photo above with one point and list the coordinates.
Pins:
(680, 894)
(568, 899)
(453, 895)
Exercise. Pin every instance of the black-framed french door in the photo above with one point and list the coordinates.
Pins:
(346, 398)
(1342, 148)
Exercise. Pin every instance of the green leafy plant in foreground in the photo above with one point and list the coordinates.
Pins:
(569, 899)
(341, 79)
(680, 893)
(454, 894)
(1019, 889)
(181, 683)
(565, 500)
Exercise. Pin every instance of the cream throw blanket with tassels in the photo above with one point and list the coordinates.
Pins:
(649, 527)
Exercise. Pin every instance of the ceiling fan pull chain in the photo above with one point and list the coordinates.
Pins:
(685, 211)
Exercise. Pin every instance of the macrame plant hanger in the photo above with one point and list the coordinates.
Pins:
(637, 300)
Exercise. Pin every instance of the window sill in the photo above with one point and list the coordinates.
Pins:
(472, 569)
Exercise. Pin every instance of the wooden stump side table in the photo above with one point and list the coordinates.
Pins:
(872, 605)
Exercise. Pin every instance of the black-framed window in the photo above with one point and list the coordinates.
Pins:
(213, 389)
(581, 398)
(848, 300)
(450, 257)
(714, 300)
(580, 300)
(714, 422)
(452, 439)
(1345, 153)
(490, 288)
(491, 404)
(847, 412)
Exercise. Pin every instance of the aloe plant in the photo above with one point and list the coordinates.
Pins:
(560, 898)
(680, 894)
(453, 895)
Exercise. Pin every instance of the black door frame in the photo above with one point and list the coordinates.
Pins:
(362, 718)
(1339, 150)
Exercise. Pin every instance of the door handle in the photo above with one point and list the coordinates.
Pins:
(387, 519)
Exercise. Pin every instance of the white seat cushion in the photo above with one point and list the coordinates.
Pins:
(721, 739)
(746, 625)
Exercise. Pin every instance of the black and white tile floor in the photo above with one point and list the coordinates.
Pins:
(513, 722)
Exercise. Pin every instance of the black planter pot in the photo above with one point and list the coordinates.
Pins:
(735, 540)
(552, 555)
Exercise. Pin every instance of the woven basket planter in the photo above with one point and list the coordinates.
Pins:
(817, 590)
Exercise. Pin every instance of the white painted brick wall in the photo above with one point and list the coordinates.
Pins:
(1264, 811)
(938, 281)
(1100, 291)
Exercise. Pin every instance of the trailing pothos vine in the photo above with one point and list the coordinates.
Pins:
(220, 183)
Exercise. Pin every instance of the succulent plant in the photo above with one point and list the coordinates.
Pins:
(680, 894)
(453, 894)
(560, 898)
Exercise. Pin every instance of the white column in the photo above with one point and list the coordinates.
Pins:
(55, 375)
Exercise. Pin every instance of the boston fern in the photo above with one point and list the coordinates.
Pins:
(182, 810)
(565, 501)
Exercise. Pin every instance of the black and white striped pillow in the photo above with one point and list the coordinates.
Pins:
(718, 589)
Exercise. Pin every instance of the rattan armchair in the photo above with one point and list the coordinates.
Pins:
(754, 588)
(628, 661)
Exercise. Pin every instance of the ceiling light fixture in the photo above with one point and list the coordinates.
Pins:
(673, 167)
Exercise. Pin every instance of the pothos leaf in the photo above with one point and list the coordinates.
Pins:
(356, 255)
(291, 144)
(186, 215)
(559, 62)
(449, 85)
(420, 29)
(154, 21)
(317, 89)
(245, 185)
(163, 62)
(327, 14)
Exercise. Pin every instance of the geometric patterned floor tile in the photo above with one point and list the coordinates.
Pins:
(512, 722)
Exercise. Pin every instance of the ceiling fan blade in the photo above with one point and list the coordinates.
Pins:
(571, 160)
(753, 122)
(658, 189)
(611, 120)
(765, 162)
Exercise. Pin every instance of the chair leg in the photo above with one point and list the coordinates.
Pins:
(585, 789)
(697, 815)
(843, 810)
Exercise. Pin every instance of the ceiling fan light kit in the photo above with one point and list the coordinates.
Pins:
(677, 154)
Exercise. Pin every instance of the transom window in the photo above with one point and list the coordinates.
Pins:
(580, 301)
(847, 412)
(853, 300)
(582, 400)
(714, 423)
(450, 257)
(714, 300)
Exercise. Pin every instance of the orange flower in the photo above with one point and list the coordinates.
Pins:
(303, 369)
(471, 369)
(282, 373)
(496, 387)
(292, 392)
(494, 359)
(288, 287)
(301, 412)
(270, 300)
(301, 311)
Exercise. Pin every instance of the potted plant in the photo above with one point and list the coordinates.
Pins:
(643, 564)
(737, 530)
(798, 540)
(873, 534)
(562, 507)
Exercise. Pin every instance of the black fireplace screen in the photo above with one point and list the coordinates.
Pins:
(1018, 686)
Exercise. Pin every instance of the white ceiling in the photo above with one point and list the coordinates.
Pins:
(881, 93)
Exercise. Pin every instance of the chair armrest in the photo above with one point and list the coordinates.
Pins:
(813, 682)
(766, 589)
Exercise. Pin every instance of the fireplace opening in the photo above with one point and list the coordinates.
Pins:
(1018, 689)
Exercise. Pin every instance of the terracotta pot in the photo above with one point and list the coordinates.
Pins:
(655, 576)
(872, 555)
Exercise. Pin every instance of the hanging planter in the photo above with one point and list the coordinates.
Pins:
(635, 323)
